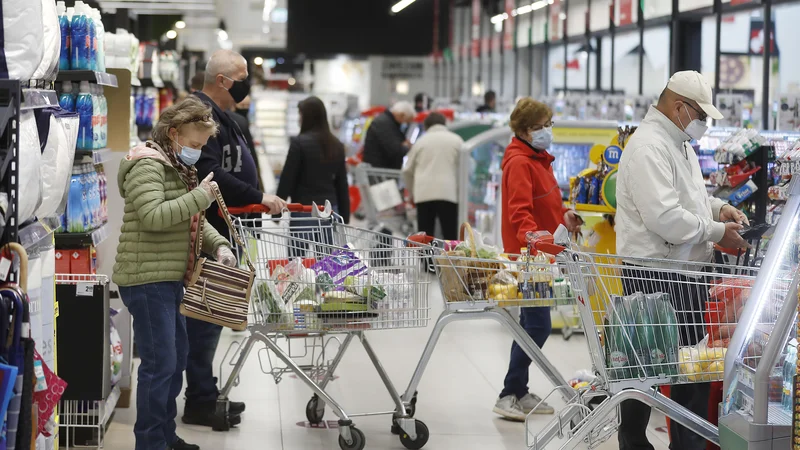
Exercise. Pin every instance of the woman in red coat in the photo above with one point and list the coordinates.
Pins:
(531, 202)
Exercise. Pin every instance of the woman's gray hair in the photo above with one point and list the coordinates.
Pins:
(405, 108)
(190, 111)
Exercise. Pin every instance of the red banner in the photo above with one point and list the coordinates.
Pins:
(485, 45)
(476, 28)
(555, 20)
(495, 43)
(508, 26)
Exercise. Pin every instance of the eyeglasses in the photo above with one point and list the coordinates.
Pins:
(700, 114)
(539, 127)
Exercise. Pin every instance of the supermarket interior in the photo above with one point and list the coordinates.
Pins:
(549, 224)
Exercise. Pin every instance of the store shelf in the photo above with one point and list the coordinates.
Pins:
(101, 78)
(149, 82)
(99, 156)
(32, 234)
(111, 404)
(77, 240)
(38, 98)
(581, 207)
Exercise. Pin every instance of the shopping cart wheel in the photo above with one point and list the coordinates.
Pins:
(359, 441)
(315, 410)
(566, 333)
(422, 437)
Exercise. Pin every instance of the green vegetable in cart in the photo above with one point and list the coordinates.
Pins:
(325, 282)
(362, 286)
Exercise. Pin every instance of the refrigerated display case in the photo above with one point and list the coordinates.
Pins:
(755, 412)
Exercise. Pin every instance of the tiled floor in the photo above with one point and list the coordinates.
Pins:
(456, 395)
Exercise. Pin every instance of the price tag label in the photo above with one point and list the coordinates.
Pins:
(84, 289)
(5, 266)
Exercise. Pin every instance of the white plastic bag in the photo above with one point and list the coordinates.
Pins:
(51, 51)
(57, 158)
(23, 37)
(30, 160)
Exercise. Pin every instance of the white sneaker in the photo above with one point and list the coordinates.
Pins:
(532, 402)
(509, 408)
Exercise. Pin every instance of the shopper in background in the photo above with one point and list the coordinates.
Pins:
(422, 102)
(226, 156)
(386, 145)
(239, 114)
(489, 103)
(431, 175)
(531, 202)
(197, 82)
(664, 211)
(155, 257)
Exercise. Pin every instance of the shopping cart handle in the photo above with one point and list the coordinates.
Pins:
(544, 242)
(255, 209)
(729, 251)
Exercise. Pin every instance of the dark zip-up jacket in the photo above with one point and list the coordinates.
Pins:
(383, 145)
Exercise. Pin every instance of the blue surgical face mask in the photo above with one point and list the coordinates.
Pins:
(188, 155)
(541, 139)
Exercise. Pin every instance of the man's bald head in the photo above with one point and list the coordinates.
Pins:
(224, 62)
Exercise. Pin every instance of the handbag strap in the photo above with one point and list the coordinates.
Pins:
(228, 220)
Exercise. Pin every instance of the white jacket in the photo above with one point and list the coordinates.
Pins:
(431, 170)
(663, 208)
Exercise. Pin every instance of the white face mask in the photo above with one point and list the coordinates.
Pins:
(696, 128)
(541, 139)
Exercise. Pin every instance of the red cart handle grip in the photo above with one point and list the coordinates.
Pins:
(258, 208)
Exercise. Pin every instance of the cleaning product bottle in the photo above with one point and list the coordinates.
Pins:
(101, 41)
(103, 207)
(85, 110)
(66, 100)
(103, 119)
(87, 214)
(74, 211)
(94, 197)
(63, 24)
(97, 109)
(79, 39)
(91, 30)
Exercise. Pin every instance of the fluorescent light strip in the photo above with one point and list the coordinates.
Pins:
(522, 10)
(159, 6)
(401, 5)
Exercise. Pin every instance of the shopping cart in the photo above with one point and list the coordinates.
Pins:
(675, 335)
(383, 198)
(475, 288)
(318, 280)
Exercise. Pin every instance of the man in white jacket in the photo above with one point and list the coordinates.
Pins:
(665, 212)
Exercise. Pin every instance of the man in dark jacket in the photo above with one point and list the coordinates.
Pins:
(227, 156)
(489, 103)
(385, 144)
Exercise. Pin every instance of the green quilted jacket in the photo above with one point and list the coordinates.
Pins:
(154, 244)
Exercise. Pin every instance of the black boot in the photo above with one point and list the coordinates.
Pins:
(180, 444)
(236, 408)
(203, 414)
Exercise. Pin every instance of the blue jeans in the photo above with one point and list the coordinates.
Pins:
(307, 230)
(201, 384)
(159, 331)
(536, 321)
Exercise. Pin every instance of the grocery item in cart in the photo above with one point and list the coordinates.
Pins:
(340, 265)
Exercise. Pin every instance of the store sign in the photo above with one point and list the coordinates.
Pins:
(757, 38)
(402, 68)
(625, 12)
(476, 28)
(508, 26)
(555, 19)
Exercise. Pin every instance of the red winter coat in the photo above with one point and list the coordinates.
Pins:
(531, 196)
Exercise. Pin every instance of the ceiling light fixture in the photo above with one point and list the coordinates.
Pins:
(172, 34)
(180, 24)
(258, 60)
(222, 34)
(525, 9)
(401, 5)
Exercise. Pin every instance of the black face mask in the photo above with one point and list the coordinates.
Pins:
(239, 90)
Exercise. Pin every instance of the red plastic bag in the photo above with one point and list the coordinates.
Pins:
(46, 400)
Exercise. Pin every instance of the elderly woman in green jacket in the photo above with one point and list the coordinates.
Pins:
(163, 202)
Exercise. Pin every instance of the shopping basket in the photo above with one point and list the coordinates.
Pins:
(384, 201)
(318, 279)
(475, 288)
(650, 323)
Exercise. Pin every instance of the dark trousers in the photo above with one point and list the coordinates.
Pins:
(446, 212)
(201, 384)
(689, 299)
(306, 231)
(536, 321)
(159, 331)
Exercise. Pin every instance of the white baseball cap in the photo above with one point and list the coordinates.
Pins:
(692, 85)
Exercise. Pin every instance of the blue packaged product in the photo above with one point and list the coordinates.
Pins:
(583, 191)
(74, 212)
(85, 110)
(96, 112)
(594, 191)
(79, 39)
(92, 32)
(87, 214)
(63, 24)
(67, 100)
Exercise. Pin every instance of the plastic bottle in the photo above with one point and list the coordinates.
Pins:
(101, 41)
(91, 31)
(101, 174)
(87, 213)
(103, 118)
(67, 100)
(94, 197)
(74, 211)
(63, 24)
(79, 39)
(84, 109)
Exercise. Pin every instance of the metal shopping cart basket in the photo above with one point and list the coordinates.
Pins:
(474, 288)
(676, 334)
(383, 198)
(319, 284)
